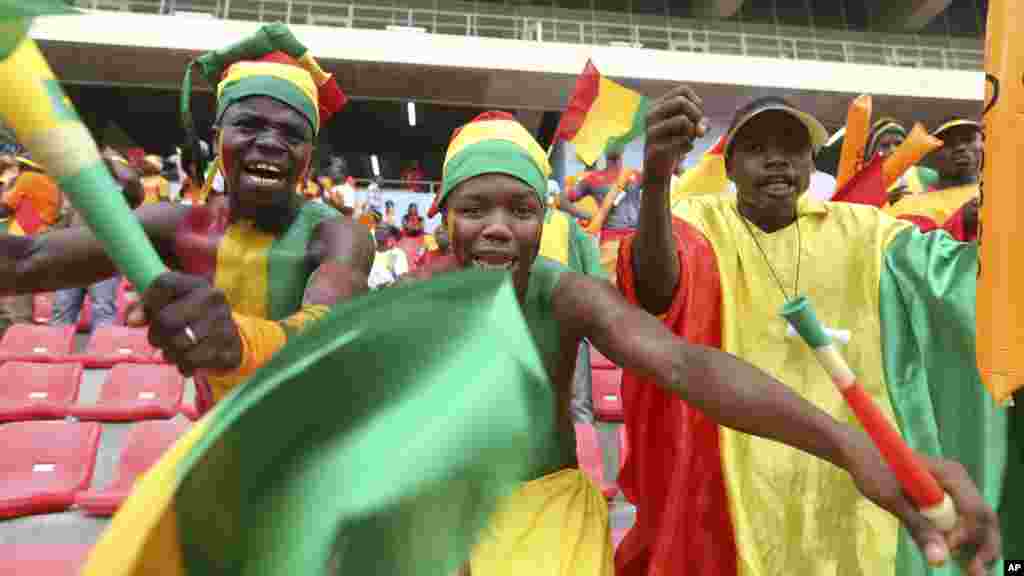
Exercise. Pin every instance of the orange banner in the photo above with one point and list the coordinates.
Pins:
(1001, 278)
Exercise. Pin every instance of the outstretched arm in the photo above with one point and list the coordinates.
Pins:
(74, 257)
(740, 396)
(673, 122)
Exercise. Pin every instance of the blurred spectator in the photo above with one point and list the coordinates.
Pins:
(155, 186)
(389, 214)
(412, 223)
(31, 205)
(8, 171)
(958, 162)
(343, 196)
(68, 303)
(391, 261)
(414, 178)
(429, 257)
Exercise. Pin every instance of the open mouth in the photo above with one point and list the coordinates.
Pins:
(779, 184)
(265, 173)
(494, 261)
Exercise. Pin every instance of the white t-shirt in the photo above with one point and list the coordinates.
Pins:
(347, 193)
(387, 267)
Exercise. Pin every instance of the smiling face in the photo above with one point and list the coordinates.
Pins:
(266, 148)
(496, 222)
(770, 162)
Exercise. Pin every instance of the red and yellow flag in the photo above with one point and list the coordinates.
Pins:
(601, 115)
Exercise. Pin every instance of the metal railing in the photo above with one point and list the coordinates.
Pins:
(604, 29)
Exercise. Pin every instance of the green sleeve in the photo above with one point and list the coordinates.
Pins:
(927, 308)
(586, 247)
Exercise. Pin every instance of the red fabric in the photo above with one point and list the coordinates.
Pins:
(44, 465)
(599, 361)
(31, 343)
(146, 442)
(33, 391)
(673, 473)
(866, 187)
(430, 258)
(136, 392)
(412, 246)
(27, 217)
(330, 99)
(956, 228)
(439, 265)
(42, 307)
(197, 239)
(588, 86)
(606, 393)
(610, 235)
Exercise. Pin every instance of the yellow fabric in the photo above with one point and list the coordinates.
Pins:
(553, 243)
(508, 130)
(912, 180)
(305, 316)
(261, 339)
(707, 177)
(156, 188)
(552, 526)
(611, 115)
(25, 104)
(429, 242)
(297, 76)
(143, 536)
(939, 205)
(242, 268)
(313, 67)
(792, 513)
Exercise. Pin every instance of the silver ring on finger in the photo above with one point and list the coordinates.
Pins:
(191, 335)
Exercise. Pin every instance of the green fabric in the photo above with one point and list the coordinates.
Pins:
(276, 37)
(537, 309)
(12, 32)
(493, 157)
(394, 467)
(1011, 509)
(800, 315)
(927, 296)
(113, 222)
(584, 252)
(274, 87)
(288, 268)
(618, 144)
(11, 9)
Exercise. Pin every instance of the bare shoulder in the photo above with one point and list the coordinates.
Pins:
(584, 302)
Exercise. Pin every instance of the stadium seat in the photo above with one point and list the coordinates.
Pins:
(599, 361)
(607, 394)
(144, 445)
(31, 343)
(42, 307)
(110, 345)
(588, 452)
(44, 464)
(33, 391)
(136, 392)
(125, 296)
(43, 559)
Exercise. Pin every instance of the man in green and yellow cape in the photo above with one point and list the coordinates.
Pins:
(717, 270)
(492, 198)
(253, 275)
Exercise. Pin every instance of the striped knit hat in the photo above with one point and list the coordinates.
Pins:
(493, 143)
(880, 128)
(271, 62)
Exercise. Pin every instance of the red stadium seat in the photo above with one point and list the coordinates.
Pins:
(607, 394)
(31, 343)
(599, 361)
(44, 464)
(144, 445)
(43, 559)
(588, 452)
(136, 392)
(37, 391)
(111, 345)
(42, 307)
(125, 296)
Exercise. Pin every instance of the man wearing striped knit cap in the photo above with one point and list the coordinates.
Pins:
(250, 276)
(492, 197)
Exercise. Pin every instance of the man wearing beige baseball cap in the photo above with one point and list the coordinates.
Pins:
(718, 270)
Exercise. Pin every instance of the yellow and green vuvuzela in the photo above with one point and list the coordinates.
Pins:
(42, 117)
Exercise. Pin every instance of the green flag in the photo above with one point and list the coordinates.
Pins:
(28, 8)
(379, 440)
